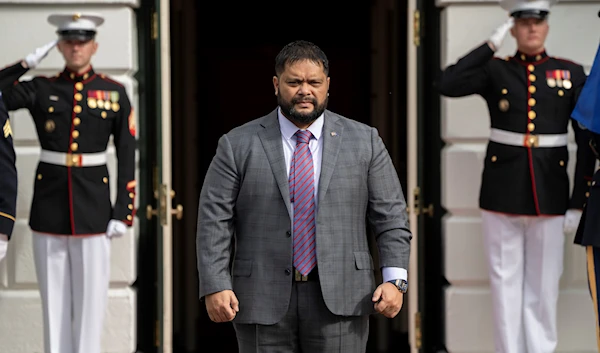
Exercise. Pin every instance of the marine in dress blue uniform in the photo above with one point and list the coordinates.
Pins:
(524, 193)
(72, 218)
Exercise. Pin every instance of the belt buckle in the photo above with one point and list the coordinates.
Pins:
(299, 277)
(532, 141)
(73, 160)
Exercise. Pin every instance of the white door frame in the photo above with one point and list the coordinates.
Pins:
(412, 177)
(166, 168)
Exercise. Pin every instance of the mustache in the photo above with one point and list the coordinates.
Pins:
(302, 100)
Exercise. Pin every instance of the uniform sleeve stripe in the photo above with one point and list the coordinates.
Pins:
(2, 214)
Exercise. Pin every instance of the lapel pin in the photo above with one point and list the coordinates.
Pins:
(333, 133)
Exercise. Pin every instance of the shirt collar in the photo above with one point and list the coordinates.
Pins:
(520, 56)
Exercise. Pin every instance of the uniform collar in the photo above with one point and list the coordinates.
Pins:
(73, 76)
(520, 56)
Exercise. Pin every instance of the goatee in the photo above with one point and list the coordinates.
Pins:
(288, 109)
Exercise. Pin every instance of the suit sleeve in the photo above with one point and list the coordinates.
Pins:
(124, 132)
(16, 95)
(386, 211)
(586, 160)
(8, 175)
(216, 221)
(470, 74)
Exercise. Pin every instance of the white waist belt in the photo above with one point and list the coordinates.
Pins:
(517, 139)
(73, 159)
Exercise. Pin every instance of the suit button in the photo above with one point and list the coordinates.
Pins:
(288, 233)
(288, 271)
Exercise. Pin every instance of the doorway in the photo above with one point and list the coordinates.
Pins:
(222, 66)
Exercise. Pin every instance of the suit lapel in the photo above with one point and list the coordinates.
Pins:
(270, 138)
(332, 142)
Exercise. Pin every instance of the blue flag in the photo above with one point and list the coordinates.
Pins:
(587, 109)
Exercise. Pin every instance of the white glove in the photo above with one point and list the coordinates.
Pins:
(116, 228)
(572, 218)
(498, 35)
(40, 53)
(3, 245)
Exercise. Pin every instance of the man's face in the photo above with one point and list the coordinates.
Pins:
(301, 91)
(78, 54)
(530, 33)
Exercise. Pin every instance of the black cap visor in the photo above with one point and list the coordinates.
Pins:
(77, 34)
(539, 14)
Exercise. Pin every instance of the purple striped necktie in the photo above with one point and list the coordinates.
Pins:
(302, 191)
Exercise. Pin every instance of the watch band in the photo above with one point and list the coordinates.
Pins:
(401, 284)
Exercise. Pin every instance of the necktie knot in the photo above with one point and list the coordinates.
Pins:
(303, 136)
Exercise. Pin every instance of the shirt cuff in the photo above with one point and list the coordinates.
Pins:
(394, 273)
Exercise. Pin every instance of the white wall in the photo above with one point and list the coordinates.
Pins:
(24, 28)
(574, 34)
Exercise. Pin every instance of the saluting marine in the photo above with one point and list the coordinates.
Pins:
(524, 191)
(72, 217)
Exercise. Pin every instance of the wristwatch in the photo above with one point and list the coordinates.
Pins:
(401, 284)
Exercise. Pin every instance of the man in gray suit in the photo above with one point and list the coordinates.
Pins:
(296, 189)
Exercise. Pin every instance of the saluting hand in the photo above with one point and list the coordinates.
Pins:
(388, 300)
(498, 35)
(33, 60)
(222, 306)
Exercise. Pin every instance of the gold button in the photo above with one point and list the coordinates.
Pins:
(39, 177)
(532, 77)
(561, 92)
(105, 180)
(130, 206)
(129, 218)
(50, 109)
(589, 183)
(494, 158)
(504, 91)
(531, 102)
(74, 146)
(78, 96)
(530, 67)
(79, 86)
(131, 195)
(587, 194)
(523, 57)
(72, 76)
(532, 89)
(538, 57)
(562, 163)
(76, 121)
(103, 114)
(77, 109)
(531, 126)
(75, 134)
(85, 77)
(532, 115)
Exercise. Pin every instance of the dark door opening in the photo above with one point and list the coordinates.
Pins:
(223, 55)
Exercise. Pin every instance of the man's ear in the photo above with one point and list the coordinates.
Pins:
(276, 85)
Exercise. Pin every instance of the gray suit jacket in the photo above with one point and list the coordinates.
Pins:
(245, 195)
